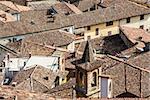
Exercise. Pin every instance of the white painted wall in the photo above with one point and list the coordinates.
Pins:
(136, 22)
(71, 47)
(17, 16)
(47, 62)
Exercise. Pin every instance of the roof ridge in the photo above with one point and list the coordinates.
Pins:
(141, 5)
(88, 55)
(35, 67)
(51, 47)
(23, 81)
(16, 6)
(72, 8)
(69, 34)
(6, 5)
(9, 50)
(134, 66)
(40, 83)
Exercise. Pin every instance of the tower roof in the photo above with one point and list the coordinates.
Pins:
(88, 55)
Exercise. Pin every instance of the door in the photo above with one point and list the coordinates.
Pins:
(104, 87)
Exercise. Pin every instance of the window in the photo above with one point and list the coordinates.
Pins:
(141, 17)
(109, 33)
(88, 28)
(97, 31)
(81, 76)
(142, 27)
(94, 81)
(63, 61)
(63, 79)
(128, 20)
(14, 39)
(24, 63)
(88, 37)
(109, 23)
(9, 40)
(57, 81)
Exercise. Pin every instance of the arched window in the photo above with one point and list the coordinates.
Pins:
(94, 81)
(81, 78)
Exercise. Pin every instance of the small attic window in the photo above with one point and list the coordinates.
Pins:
(46, 78)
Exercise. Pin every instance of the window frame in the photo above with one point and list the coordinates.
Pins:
(94, 79)
(88, 28)
(128, 20)
(110, 23)
(97, 31)
(141, 27)
(141, 17)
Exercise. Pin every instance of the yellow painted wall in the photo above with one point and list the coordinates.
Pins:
(103, 29)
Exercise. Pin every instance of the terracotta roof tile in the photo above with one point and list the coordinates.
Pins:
(87, 4)
(131, 82)
(134, 35)
(110, 45)
(6, 17)
(121, 9)
(15, 7)
(42, 78)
